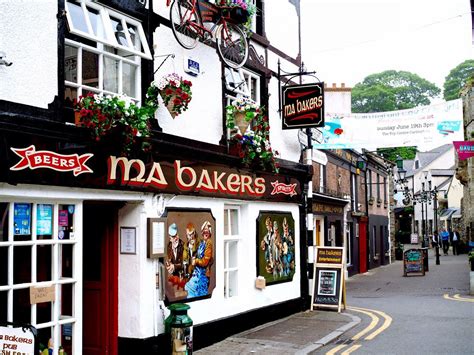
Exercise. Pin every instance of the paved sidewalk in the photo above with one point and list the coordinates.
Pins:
(298, 334)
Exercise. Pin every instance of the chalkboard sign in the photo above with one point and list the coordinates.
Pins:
(327, 287)
(413, 262)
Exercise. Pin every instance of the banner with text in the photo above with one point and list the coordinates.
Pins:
(426, 127)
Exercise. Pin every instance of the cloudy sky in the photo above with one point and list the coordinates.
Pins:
(346, 40)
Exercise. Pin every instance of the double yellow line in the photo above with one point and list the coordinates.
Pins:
(457, 297)
(374, 316)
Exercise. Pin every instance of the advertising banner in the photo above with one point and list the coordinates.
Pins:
(465, 149)
(426, 127)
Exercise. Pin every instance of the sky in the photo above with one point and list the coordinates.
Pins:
(346, 40)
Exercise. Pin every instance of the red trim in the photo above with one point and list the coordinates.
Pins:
(113, 283)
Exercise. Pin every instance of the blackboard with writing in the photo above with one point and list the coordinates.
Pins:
(327, 286)
(413, 262)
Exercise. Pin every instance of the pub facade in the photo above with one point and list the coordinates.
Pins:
(118, 227)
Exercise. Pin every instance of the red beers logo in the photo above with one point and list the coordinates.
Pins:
(281, 188)
(45, 159)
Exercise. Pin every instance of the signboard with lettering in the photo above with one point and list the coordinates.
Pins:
(303, 106)
(17, 340)
(42, 294)
(328, 284)
(413, 262)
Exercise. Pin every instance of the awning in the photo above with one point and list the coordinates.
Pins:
(446, 214)
(456, 213)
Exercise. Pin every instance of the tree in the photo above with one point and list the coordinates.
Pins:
(457, 78)
(392, 90)
(406, 153)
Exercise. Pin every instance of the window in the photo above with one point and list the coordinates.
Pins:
(354, 191)
(242, 83)
(102, 52)
(385, 189)
(231, 250)
(349, 234)
(378, 187)
(322, 173)
(369, 172)
(38, 249)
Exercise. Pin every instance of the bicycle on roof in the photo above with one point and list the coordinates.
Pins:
(187, 20)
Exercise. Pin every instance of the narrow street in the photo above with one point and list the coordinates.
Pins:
(410, 315)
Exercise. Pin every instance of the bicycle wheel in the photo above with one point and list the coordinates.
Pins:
(232, 45)
(182, 19)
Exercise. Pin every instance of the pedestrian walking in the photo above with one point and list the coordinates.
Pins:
(445, 240)
(455, 241)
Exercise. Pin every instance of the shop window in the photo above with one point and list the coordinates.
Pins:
(102, 52)
(231, 251)
(36, 250)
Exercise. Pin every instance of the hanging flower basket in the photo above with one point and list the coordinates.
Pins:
(253, 147)
(175, 92)
(241, 113)
(239, 12)
(116, 120)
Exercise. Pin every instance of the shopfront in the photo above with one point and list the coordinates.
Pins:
(75, 223)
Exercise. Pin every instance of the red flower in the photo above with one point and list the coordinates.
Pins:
(177, 101)
(187, 83)
(169, 92)
(338, 131)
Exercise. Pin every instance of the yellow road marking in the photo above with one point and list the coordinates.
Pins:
(336, 349)
(457, 297)
(387, 321)
(371, 326)
(351, 349)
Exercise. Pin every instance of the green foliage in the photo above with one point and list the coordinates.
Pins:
(407, 153)
(392, 90)
(457, 79)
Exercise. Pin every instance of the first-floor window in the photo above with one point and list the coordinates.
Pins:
(38, 252)
(231, 250)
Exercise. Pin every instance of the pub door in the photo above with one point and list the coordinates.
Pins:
(362, 247)
(100, 274)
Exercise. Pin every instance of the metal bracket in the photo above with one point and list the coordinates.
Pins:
(164, 60)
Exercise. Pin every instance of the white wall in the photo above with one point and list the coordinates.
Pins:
(455, 193)
(281, 26)
(28, 36)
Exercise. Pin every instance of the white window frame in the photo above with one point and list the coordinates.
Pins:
(242, 79)
(80, 87)
(110, 39)
(57, 320)
(228, 240)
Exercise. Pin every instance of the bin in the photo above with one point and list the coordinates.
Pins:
(179, 326)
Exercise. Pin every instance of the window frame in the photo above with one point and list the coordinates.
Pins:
(228, 239)
(110, 39)
(57, 319)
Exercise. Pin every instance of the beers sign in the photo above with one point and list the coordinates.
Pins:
(303, 106)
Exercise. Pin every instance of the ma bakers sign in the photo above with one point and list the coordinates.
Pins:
(178, 177)
(181, 177)
(303, 106)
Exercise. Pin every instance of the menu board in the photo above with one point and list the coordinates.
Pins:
(327, 286)
(413, 262)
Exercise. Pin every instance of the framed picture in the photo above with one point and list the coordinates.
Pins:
(128, 240)
(276, 246)
(156, 237)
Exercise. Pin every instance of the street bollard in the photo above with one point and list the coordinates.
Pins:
(180, 328)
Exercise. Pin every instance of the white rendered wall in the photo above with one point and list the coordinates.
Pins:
(455, 193)
(28, 36)
(203, 120)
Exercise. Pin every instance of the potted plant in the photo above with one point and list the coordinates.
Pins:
(240, 113)
(240, 12)
(175, 92)
(253, 147)
(117, 117)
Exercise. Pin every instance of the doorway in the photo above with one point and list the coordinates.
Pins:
(100, 275)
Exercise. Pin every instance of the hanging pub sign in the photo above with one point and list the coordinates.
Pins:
(303, 106)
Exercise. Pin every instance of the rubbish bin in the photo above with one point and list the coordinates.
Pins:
(180, 328)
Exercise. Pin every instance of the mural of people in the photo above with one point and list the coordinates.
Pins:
(174, 261)
(288, 249)
(266, 245)
(190, 249)
(202, 262)
(276, 252)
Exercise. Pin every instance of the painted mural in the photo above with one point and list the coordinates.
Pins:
(190, 255)
(275, 247)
